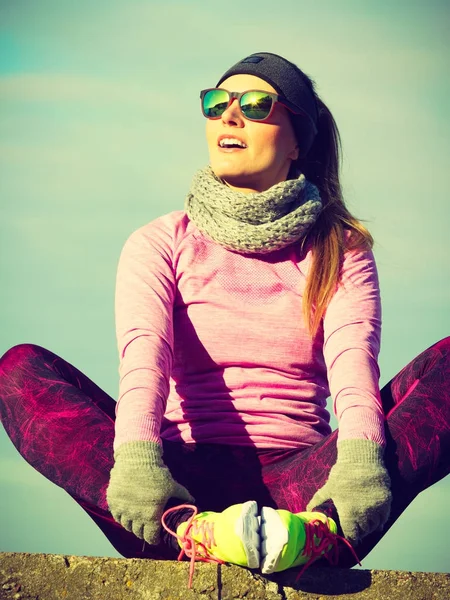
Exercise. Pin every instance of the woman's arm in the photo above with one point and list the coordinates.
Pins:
(144, 297)
(140, 483)
(352, 332)
(358, 483)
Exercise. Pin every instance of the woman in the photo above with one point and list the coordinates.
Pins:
(236, 318)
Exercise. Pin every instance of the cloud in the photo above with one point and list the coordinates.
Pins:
(87, 89)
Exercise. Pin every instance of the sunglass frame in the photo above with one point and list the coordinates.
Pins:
(238, 95)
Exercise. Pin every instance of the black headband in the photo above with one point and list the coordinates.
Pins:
(290, 82)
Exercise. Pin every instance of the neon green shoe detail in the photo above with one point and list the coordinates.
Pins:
(290, 540)
(230, 536)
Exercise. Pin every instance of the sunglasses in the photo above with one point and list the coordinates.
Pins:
(255, 105)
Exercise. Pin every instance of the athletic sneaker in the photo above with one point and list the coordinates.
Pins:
(230, 536)
(293, 539)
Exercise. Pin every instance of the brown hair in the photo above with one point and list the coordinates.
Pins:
(327, 239)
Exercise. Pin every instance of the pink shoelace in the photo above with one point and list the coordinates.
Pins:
(201, 551)
(318, 529)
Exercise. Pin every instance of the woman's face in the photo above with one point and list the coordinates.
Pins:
(271, 144)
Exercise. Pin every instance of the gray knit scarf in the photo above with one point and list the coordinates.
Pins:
(259, 222)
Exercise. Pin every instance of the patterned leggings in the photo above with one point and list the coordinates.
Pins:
(62, 423)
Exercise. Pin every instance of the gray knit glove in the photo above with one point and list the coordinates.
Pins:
(140, 486)
(359, 486)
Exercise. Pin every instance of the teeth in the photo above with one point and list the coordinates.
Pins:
(231, 142)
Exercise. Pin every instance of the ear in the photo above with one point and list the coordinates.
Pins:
(293, 154)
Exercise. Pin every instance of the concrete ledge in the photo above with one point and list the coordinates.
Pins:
(26, 576)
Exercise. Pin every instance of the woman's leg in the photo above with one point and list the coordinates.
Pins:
(63, 425)
(417, 408)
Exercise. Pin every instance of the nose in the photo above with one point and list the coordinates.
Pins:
(232, 115)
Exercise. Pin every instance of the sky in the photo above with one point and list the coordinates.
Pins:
(101, 132)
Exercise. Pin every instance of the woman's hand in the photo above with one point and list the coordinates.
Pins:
(139, 488)
(359, 486)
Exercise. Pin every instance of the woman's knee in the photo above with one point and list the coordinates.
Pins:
(428, 367)
(443, 346)
(16, 356)
(437, 357)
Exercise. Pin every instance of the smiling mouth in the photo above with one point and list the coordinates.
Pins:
(231, 144)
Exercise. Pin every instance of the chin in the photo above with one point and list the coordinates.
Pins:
(237, 181)
(234, 177)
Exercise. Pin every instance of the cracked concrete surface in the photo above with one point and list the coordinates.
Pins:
(25, 576)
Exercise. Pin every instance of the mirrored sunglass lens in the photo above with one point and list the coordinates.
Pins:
(215, 102)
(256, 105)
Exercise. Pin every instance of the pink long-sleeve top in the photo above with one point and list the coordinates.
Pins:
(213, 346)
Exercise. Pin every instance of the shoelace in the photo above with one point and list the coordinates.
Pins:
(200, 551)
(318, 529)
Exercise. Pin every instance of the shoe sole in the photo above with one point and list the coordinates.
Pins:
(274, 536)
(247, 528)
